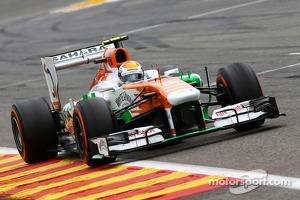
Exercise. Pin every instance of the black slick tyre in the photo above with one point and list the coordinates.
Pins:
(92, 118)
(34, 130)
(237, 82)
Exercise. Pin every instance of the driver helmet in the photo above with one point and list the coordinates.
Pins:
(130, 71)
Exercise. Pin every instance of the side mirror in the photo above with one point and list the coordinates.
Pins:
(172, 72)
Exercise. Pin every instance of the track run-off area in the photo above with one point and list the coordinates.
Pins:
(62, 178)
(69, 179)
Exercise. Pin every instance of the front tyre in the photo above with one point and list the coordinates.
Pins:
(236, 83)
(92, 118)
(34, 130)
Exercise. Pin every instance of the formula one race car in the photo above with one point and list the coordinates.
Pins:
(128, 108)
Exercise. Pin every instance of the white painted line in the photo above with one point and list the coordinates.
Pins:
(144, 29)
(280, 68)
(294, 53)
(6, 150)
(196, 16)
(295, 182)
(225, 9)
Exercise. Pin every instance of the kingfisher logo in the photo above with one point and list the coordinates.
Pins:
(123, 100)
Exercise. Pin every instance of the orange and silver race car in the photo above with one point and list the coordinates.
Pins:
(128, 107)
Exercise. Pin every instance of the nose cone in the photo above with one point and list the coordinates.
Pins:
(184, 95)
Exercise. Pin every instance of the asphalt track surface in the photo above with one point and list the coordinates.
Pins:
(190, 34)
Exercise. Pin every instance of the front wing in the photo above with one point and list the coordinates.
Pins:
(224, 118)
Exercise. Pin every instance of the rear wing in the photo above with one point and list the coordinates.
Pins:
(92, 54)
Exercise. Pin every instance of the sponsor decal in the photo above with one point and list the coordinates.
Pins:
(141, 132)
(123, 100)
(225, 113)
(78, 53)
(103, 149)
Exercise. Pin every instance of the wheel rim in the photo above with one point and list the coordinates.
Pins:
(17, 134)
(79, 135)
(222, 94)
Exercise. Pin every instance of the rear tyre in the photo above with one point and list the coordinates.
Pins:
(34, 130)
(92, 118)
(238, 82)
